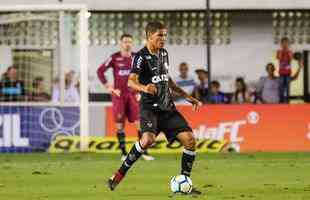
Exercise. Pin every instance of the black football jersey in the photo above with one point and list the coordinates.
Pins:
(154, 69)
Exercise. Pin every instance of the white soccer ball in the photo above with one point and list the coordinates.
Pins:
(181, 184)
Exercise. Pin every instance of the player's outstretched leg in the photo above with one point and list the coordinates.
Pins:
(136, 151)
(145, 155)
(189, 154)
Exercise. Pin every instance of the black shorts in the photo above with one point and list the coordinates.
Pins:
(169, 122)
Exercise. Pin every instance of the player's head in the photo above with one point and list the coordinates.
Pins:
(156, 34)
(11, 73)
(202, 75)
(69, 78)
(270, 68)
(285, 42)
(126, 42)
(183, 68)
(38, 83)
(215, 87)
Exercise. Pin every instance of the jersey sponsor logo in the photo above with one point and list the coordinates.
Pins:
(160, 78)
(149, 124)
(119, 59)
(124, 72)
(121, 65)
(148, 57)
(139, 62)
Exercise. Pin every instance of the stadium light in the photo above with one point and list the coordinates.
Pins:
(119, 16)
(291, 15)
(144, 16)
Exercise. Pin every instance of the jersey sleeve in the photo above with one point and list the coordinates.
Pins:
(167, 57)
(137, 64)
(103, 68)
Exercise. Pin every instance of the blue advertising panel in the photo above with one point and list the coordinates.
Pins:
(32, 128)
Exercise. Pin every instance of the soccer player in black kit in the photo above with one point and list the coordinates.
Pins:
(158, 113)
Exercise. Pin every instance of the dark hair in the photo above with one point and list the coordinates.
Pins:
(11, 67)
(270, 64)
(152, 27)
(125, 35)
(36, 81)
(285, 39)
(216, 83)
(5, 74)
(243, 90)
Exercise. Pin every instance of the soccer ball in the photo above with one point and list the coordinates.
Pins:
(181, 184)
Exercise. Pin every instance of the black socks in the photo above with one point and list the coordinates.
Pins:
(131, 158)
(121, 141)
(188, 159)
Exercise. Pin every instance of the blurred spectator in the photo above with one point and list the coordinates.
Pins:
(11, 89)
(241, 95)
(184, 81)
(38, 93)
(201, 90)
(216, 96)
(269, 87)
(77, 85)
(71, 91)
(285, 57)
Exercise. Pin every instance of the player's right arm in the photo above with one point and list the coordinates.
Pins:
(101, 75)
(133, 82)
(133, 79)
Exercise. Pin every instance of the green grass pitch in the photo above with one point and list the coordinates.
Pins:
(78, 176)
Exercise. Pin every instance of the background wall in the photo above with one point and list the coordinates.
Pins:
(252, 46)
(171, 5)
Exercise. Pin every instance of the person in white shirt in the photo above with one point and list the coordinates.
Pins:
(71, 91)
(184, 81)
(201, 90)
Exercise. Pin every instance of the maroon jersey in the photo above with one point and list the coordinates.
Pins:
(285, 57)
(121, 66)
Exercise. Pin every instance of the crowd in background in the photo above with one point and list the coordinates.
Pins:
(270, 88)
(13, 89)
(71, 93)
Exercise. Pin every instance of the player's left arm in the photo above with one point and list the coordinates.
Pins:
(175, 88)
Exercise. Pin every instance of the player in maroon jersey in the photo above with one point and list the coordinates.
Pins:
(124, 100)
